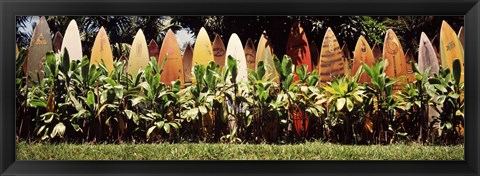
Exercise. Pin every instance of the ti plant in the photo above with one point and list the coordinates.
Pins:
(447, 91)
(156, 105)
(51, 98)
(381, 98)
(197, 100)
(414, 101)
(266, 104)
(345, 97)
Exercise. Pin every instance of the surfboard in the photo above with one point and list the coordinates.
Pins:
(57, 42)
(250, 53)
(347, 59)
(102, 51)
(235, 49)
(393, 53)
(40, 44)
(297, 47)
(265, 54)
(138, 58)
(377, 52)
(314, 55)
(450, 48)
(173, 68)
(72, 42)
(362, 54)
(16, 51)
(331, 62)
(203, 52)
(427, 56)
(153, 49)
(187, 64)
(409, 58)
(461, 36)
(219, 51)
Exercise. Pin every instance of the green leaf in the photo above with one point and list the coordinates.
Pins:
(150, 130)
(90, 99)
(349, 105)
(58, 129)
(340, 103)
(457, 70)
(166, 127)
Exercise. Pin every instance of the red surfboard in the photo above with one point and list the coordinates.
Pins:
(299, 50)
(153, 50)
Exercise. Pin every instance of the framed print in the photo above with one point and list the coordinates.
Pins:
(240, 87)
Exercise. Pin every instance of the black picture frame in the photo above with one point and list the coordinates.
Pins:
(11, 8)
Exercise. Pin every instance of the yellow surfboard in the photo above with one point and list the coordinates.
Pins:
(138, 58)
(235, 49)
(450, 48)
(72, 42)
(219, 51)
(362, 54)
(57, 42)
(393, 53)
(250, 53)
(265, 54)
(173, 68)
(203, 52)
(102, 51)
(16, 51)
(331, 63)
(40, 44)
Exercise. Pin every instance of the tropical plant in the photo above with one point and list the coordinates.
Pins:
(345, 96)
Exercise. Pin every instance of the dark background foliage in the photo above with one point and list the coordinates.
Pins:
(122, 29)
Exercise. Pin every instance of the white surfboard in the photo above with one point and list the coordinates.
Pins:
(235, 49)
(72, 42)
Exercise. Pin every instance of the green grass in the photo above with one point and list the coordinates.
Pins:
(306, 151)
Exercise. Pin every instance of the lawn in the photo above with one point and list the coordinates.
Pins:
(204, 151)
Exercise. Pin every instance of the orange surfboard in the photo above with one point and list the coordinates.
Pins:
(219, 51)
(331, 62)
(450, 48)
(138, 58)
(297, 47)
(265, 54)
(102, 51)
(173, 69)
(427, 56)
(347, 59)
(362, 54)
(377, 52)
(40, 44)
(461, 36)
(315, 54)
(250, 54)
(409, 58)
(57, 42)
(187, 64)
(153, 49)
(393, 53)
